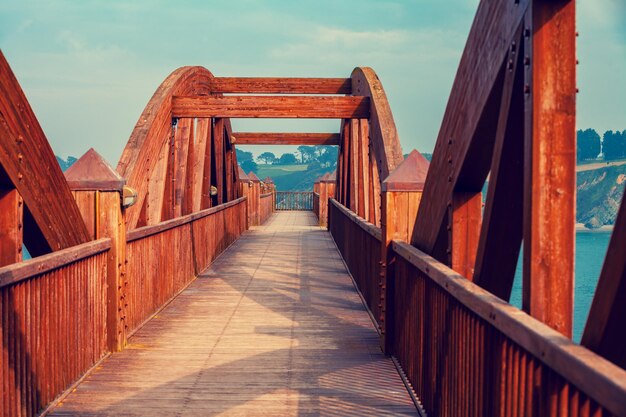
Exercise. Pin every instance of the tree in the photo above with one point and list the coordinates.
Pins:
(243, 156)
(306, 153)
(329, 156)
(267, 157)
(249, 165)
(614, 145)
(588, 144)
(287, 159)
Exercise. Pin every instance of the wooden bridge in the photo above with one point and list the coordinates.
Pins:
(175, 284)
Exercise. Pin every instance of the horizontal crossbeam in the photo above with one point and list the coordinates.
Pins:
(264, 138)
(256, 85)
(290, 107)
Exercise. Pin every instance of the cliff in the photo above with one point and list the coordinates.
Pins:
(599, 194)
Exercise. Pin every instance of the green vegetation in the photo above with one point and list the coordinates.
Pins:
(276, 171)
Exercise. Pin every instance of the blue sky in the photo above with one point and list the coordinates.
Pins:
(89, 67)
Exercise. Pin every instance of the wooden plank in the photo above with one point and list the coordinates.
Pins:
(502, 227)
(146, 231)
(364, 186)
(271, 107)
(354, 166)
(218, 160)
(266, 138)
(275, 85)
(157, 188)
(182, 138)
(605, 324)
(550, 155)
(466, 213)
(345, 146)
(197, 168)
(479, 73)
(13, 274)
(11, 226)
(167, 211)
(29, 162)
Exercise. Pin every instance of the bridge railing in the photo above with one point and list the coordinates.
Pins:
(266, 207)
(359, 244)
(316, 204)
(464, 350)
(164, 258)
(53, 316)
(294, 200)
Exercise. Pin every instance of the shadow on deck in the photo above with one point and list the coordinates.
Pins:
(273, 327)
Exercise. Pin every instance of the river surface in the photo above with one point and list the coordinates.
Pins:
(590, 251)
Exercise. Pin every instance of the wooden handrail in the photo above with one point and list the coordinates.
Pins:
(594, 375)
(12, 274)
(179, 221)
(266, 195)
(361, 222)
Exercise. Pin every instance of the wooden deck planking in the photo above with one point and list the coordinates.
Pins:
(273, 327)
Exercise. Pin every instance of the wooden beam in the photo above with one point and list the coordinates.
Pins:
(11, 226)
(182, 138)
(550, 164)
(218, 159)
(383, 134)
(466, 211)
(501, 233)
(199, 187)
(32, 168)
(604, 331)
(271, 85)
(264, 138)
(271, 107)
(353, 166)
(156, 188)
(475, 89)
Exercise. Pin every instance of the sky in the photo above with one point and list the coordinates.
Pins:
(89, 67)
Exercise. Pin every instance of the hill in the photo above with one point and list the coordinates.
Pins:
(599, 194)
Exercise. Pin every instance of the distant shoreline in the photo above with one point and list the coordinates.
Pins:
(580, 227)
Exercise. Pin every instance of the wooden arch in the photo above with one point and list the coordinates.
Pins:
(369, 149)
(173, 162)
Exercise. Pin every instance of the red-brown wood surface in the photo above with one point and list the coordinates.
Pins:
(275, 85)
(492, 33)
(550, 162)
(11, 225)
(465, 349)
(152, 131)
(52, 220)
(315, 107)
(268, 138)
(53, 324)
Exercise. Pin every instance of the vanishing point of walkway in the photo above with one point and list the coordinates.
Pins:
(273, 327)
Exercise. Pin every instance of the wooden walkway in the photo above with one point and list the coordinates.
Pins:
(273, 327)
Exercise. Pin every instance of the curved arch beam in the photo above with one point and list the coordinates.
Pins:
(369, 149)
(147, 147)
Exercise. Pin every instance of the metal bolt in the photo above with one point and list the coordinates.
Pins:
(527, 89)
(527, 60)
(527, 33)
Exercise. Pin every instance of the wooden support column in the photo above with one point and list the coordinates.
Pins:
(218, 159)
(98, 190)
(401, 196)
(244, 191)
(465, 217)
(11, 225)
(550, 152)
(353, 166)
(254, 200)
(327, 191)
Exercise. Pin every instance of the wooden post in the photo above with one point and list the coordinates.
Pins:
(254, 200)
(550, 162)
(98, 189)
(402, 193)
(466, 217)
(11, 225)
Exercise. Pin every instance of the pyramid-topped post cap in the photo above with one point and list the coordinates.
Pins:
(325, 177)
(410, 175)
(252, 176)
(242, 175)
(330, 176)
(92, 173)
(268, 180)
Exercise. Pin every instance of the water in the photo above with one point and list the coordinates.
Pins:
(590, 251)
